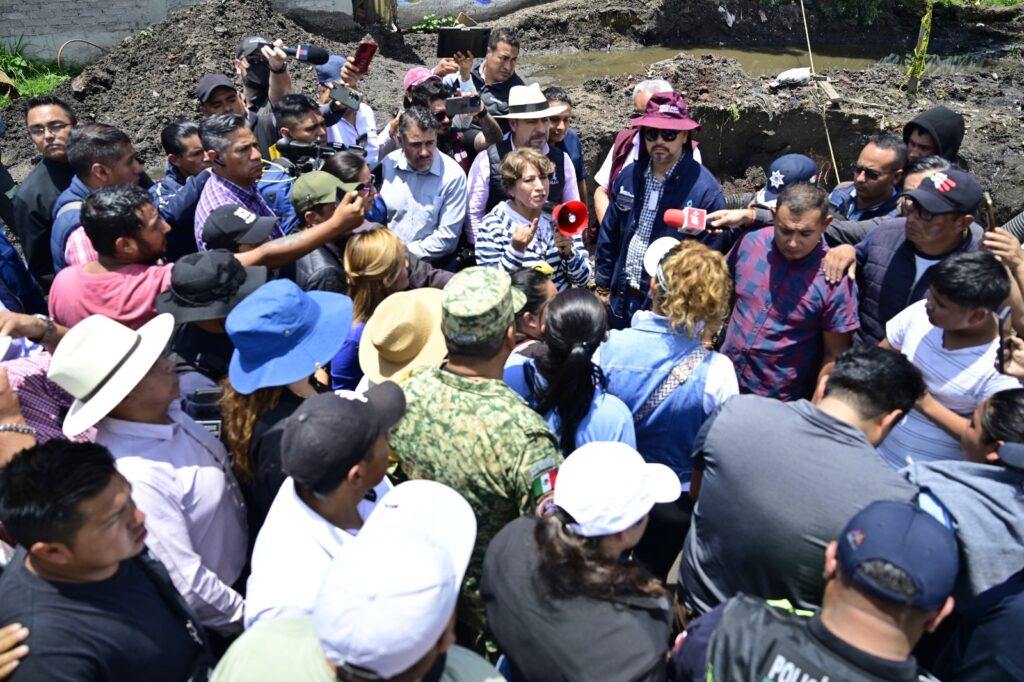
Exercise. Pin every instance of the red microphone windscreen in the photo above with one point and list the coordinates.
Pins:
(674, 218)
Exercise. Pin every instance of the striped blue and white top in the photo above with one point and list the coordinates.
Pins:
(494, 248)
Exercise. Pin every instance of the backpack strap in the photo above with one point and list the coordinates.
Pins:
(676, 378)
(70, 206)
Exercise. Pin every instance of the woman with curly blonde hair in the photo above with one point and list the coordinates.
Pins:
(671, 383)
(377, 267)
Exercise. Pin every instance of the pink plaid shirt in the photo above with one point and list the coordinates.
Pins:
(43, 403)
(78, 250)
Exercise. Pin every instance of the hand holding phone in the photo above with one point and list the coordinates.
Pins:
(346, 96)
(364, 53)
(455, 106)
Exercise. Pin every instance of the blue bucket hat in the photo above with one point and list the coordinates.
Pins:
(282, 334)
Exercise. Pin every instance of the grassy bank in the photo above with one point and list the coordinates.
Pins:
(30, 77)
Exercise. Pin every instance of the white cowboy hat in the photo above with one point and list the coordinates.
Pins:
(527, 101)
(99, 362)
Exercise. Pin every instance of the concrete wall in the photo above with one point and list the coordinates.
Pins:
(412, 11)
(42, 27)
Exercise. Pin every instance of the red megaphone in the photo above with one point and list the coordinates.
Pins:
(570, 218)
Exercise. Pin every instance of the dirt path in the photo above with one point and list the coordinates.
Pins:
(147, 80)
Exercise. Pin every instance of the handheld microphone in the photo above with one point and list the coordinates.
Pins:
(674, 218)
(689, 220)
(308, 53)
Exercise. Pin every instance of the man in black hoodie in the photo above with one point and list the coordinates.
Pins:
(938, 131)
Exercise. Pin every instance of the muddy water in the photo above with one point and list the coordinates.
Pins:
(572, 69)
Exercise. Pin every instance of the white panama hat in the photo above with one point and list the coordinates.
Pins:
(99, 361)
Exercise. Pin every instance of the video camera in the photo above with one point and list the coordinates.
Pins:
(308, 156)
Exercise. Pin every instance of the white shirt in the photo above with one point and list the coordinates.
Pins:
(293, 551)
(425, 209)
(366, 125)
(958, 379)
(181, 478)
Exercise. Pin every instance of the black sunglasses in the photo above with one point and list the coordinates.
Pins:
(652, 134)
(869, 173)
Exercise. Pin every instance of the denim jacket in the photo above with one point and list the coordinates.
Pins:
(636, 362)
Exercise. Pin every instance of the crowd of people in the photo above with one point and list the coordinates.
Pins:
(327, 398)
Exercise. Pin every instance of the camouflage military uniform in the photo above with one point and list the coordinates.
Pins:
(477, 435)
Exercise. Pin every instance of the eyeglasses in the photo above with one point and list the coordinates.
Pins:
(869, 173)
(54, 127)
(441, 116)
(652, 134)
(910, 205)
(354, 187)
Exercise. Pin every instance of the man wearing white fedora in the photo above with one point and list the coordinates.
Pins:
(180, 474)
(528, 113)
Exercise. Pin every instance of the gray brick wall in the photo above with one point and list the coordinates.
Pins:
(42, 27)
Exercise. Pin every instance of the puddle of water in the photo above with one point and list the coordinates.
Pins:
(573, 69)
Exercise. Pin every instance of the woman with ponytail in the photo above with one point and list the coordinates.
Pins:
(561, 381)
(564, 599)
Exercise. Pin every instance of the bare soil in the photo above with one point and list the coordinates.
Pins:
(148, 79)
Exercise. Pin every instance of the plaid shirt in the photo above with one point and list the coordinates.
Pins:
(220, 192)
(79, 250)
(653, 187)
(782, 310)
(43, 403)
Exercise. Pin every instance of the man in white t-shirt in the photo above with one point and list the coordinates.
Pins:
(952, 337)
(335, 452)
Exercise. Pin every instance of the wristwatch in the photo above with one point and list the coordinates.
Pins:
(51, 330)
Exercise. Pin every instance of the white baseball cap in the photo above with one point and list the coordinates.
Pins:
(607, 487)
(656, 252)
(391, 591)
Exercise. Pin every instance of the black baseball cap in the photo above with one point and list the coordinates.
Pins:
(258, 73)
(948, 191)
(332, 432)
(207, 285)
(210, 82)
(231, 225)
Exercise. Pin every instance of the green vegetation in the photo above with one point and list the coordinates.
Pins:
(432, 22)
(866, 12)
(30, 77)
(981, 3)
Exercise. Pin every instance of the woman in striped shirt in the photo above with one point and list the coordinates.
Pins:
(516, 232)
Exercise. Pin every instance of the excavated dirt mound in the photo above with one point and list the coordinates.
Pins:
(147, 80)
(746, 123)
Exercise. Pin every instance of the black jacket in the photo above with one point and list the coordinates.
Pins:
(580, 638)
(886, 268)
(322, 269)
(33, 214)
